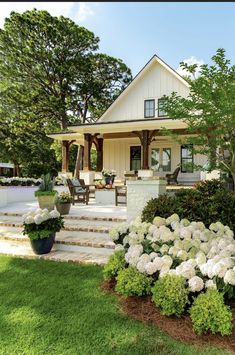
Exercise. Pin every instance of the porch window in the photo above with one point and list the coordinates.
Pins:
(149, 108)
(135, 158)
(166, 159)
(155, 159)
(186, 158)
(161, 111)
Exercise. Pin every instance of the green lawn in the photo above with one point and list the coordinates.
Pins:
(57, 308)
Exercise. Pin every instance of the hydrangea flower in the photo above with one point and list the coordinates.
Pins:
(196, 284)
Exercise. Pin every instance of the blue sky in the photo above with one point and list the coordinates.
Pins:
(134, 31)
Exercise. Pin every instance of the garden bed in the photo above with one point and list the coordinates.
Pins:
(143, 309)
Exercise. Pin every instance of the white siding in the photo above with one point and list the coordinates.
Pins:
(153, 84)
(117, 156)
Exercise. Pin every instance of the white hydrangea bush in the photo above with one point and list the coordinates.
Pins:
(205, 257)
(39, 215)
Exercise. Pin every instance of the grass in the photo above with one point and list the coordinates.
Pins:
(58, 308)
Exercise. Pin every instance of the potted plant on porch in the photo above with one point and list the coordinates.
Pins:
(46, 193)
(108, 176)
(41, 226)
(63, 202)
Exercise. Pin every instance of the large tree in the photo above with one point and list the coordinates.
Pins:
(209, 111)
(52, 66)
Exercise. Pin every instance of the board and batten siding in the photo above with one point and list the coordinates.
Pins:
(153, 84)
(117, 157)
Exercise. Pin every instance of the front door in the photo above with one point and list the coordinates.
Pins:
(135, 158)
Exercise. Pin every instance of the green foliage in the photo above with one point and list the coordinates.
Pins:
(44, 229)
(63, 197)
(131, 282)
(46, 51)
(47, 184)
(115, 263)
(170, 294)
(161, 206)
(208, 312)
(208, 202)
(45, 193)
(209, 110)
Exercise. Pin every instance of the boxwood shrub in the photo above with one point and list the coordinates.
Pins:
(208, 312)
(209, 202)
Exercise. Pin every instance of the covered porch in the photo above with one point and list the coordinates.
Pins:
(129, 146)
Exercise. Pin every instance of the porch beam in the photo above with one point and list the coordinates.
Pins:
(99, 148)
(145, 149)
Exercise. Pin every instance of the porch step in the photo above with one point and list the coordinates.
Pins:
(100, 226)
(98, 256)
(64, 239)
(74, 217)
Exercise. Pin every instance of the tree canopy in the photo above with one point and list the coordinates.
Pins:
(209, 111)
(51, 76)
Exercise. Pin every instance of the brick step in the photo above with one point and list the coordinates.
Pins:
(68, 238)
(97, 256)
(70, 224)
(74, 217)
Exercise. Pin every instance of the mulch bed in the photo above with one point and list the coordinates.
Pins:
(143, 309)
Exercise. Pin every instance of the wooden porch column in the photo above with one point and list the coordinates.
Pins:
(79, 161)
(99, 148)
(145, 137)
(65, 156)
(87, 152)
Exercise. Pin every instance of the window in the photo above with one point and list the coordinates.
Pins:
(161, 158)
(166, 159)
(155, 159)
(161, 111)
(149, 108)
(186, 159)
(135, 158)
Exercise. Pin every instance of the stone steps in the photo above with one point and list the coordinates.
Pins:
(71, 224)
(84, 239)
(97, 256)
(69, 238)
(74, 217)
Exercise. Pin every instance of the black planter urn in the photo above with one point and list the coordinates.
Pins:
(43, 246)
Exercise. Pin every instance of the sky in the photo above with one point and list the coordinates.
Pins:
(135, 31)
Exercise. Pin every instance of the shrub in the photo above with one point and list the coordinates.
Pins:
(170, 294)
(208, 202)
(163, 206)
(115, 263)
(131, 282)
(208, 312)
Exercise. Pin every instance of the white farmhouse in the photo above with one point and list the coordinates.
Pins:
(127, 136)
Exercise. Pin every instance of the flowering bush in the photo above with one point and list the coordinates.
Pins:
(40, 224)
(130, 282)
(209, 312)
(203, 257)
(170, 294)
(17, 181)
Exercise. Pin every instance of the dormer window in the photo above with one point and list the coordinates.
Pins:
(161, 111)
(149, 108)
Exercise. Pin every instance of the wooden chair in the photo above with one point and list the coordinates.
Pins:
(78, 190)
(120, 191)
(173, 177)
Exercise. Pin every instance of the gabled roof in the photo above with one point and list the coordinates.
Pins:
(138, 76)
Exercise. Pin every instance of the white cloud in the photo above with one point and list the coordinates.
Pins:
(78, 11)
(190, 61)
